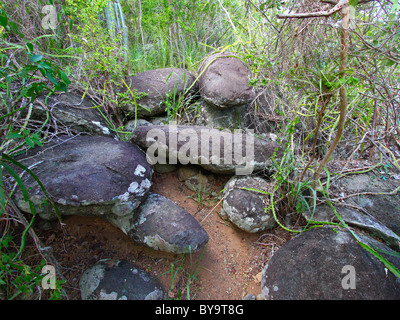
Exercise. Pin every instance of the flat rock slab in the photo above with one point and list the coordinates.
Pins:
(381, 203)
(369, 204)
(224, 81)
(119, 280)
(163, 225)
(152, 87)
(245, 207)
(218, 151)
(90, 176)
(73, 111)
(328, 264)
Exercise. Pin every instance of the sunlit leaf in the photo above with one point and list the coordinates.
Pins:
(35, 58)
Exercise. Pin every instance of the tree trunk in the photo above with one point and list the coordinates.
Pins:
(344, 42)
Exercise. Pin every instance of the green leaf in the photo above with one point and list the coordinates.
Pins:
(2, 196)
(61, 86)
(352, 81)
(5, 241)
(387, 264)
(353, 2)
(3, 21)
(29, 141)
(388, 62)
(36, 58)
(29, 46)
(14, 135)
(51, 78)
(395, 6)
(14, 27)
(256, 190)
(64, 78)
(392, 16)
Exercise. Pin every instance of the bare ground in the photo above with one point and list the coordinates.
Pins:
(229, 268)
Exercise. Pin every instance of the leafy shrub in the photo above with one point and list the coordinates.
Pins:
(20, 87)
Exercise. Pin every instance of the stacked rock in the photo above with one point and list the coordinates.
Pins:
(225, 91)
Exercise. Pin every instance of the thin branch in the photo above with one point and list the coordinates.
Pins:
(339, 6)
(264, 15)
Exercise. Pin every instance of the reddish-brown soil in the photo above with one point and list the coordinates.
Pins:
(229, 268)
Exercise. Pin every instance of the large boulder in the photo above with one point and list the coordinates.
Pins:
(246, 203)
(151, 89)
(224, 81)
(163, 225)
(219, 151)
(329, 264)
(83, 175)
(119, 280)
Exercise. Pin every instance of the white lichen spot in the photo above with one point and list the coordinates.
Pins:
(108, 296)
(146, 184)
(134, 271)
(157, 243)
(157, 294)
(62, 201)
(124, 197)
(139, 171)
(104, 129)
(133, 187)
(91, 280)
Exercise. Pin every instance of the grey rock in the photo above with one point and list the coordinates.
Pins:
(132, 124)
(224, 81)
(91, 176)
(245, 208)
(163, 225)
(260, 296)
(383, 206)
(215, 150)
(355, 218)
(328, 264)
(120, 280)
(249, 296)
(211, 116)
(152, 88)
(193, 178)
(157, 121)
(165, 168)
(379, 209)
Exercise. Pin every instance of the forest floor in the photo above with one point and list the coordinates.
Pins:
(229, 268)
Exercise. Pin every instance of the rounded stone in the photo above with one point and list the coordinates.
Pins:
(84, 175)
(224, 81)
(328, 263)
(119, 280)
(246, 203)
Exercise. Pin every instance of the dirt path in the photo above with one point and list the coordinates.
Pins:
(229, 268)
